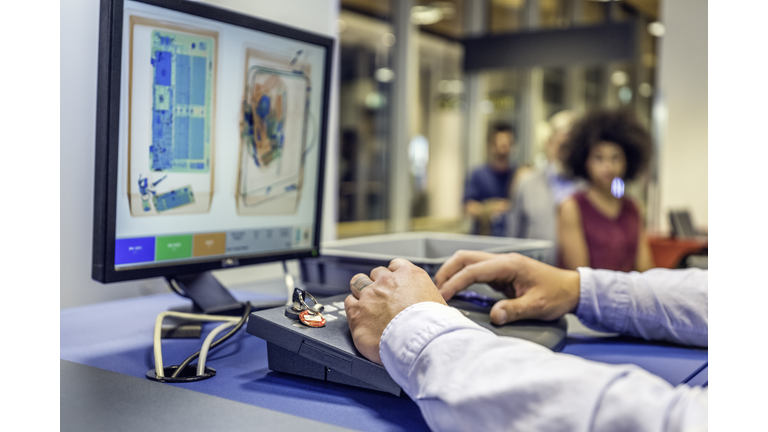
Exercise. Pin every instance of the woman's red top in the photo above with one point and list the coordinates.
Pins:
(612, 243)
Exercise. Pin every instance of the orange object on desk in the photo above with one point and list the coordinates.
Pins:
(668, 251)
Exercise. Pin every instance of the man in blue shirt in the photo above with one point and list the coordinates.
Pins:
(486, 196)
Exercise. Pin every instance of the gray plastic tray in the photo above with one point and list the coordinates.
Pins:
(340, 260)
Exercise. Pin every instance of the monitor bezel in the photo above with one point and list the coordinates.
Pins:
(107, 142)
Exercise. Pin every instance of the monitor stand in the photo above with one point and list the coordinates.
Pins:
(208, 297)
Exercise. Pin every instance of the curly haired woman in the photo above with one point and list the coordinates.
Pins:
(599, 227)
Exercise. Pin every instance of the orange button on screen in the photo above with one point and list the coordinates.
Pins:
(209, 244)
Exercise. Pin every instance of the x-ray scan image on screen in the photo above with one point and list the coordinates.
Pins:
(171, 116)
(274, 132)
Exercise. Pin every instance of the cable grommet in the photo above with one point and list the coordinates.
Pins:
(189, 374)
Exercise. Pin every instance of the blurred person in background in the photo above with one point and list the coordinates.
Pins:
(539, 195)
(486, 195)
(600, 227)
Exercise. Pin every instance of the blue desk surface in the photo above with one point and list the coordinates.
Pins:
(117, 336)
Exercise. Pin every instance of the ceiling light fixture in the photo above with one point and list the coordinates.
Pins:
(645, 89)
(426, 15)
(656, 29)
(340, 25)
(384, 75)
(619, 78)
(388, 39)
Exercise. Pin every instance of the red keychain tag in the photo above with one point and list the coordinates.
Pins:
(311, 320)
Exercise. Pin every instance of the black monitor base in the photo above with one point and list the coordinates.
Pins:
(207, 294)
(208, 297)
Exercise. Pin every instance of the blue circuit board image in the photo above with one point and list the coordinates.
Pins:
(181, 102)
(173, 199)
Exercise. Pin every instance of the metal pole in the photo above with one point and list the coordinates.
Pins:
(473, 146)
(575, 75)
(405, 62)
(532, 106)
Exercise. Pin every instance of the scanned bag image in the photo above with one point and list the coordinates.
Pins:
(273, 132)
(171, 125)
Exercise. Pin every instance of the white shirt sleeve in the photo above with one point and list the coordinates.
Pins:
(465, 378)
(659, 304)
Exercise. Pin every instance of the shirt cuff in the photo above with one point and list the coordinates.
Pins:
(411, 330)
(603, 299)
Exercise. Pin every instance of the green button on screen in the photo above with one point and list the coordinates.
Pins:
(174, 247)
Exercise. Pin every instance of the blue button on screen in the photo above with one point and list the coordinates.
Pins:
(134, 250)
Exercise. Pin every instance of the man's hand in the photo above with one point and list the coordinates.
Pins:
(496, 207)
(536, 290)
(490, 208)
(375, 300)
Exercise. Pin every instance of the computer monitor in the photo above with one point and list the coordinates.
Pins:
(681, 224)
(210, 144)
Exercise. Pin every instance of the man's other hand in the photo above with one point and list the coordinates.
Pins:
(378, 298)
(536, 290)
(496, 207)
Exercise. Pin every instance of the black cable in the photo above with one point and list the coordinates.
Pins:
(218, 341)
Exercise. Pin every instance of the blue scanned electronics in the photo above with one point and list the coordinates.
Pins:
(145, 189)
(173, 199)
(182, 102)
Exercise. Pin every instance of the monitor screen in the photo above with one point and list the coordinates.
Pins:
(210, 140)
(682, 226)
